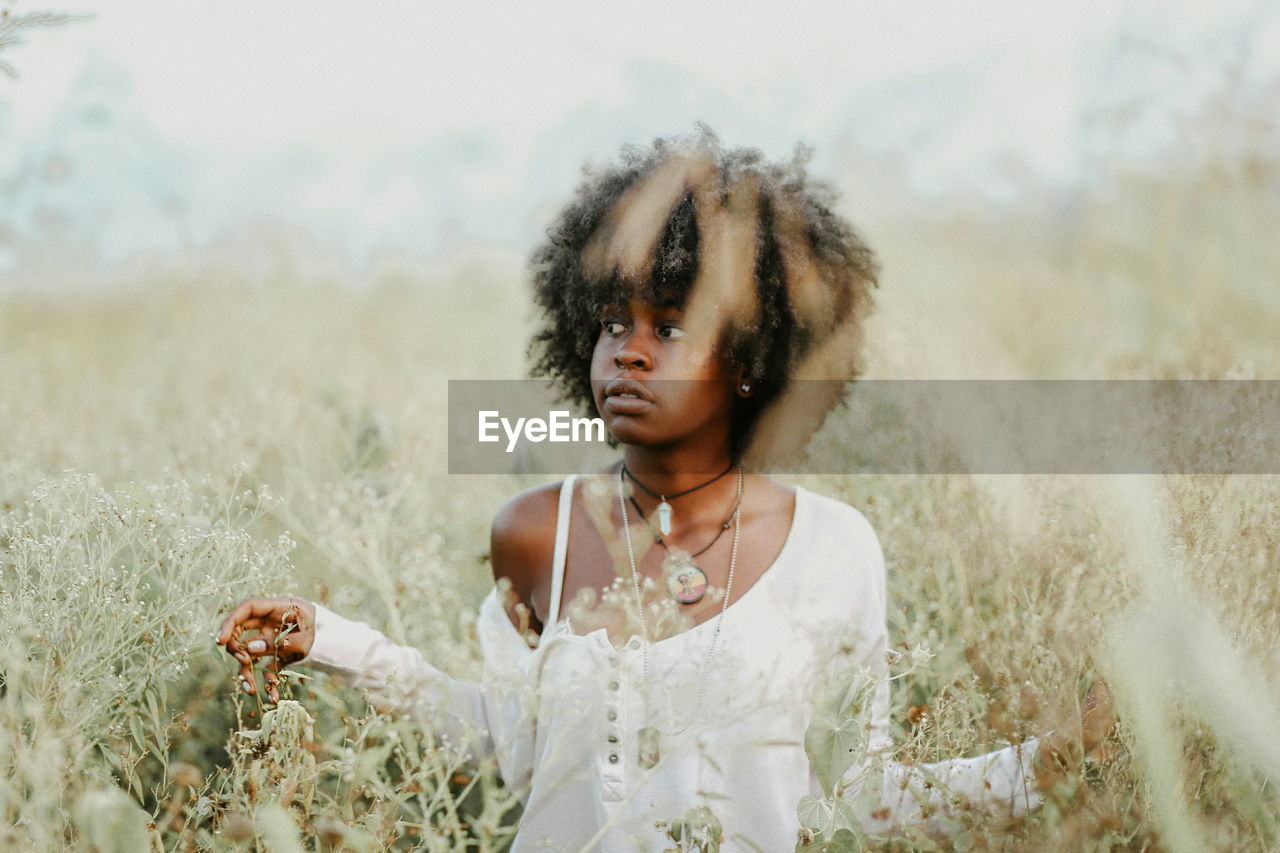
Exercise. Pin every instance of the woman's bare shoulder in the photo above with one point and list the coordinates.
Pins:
(522, 538)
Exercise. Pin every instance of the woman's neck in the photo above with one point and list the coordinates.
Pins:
(697, 487)
(668, 471)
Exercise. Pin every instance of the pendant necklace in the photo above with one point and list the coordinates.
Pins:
(686, 581)
(664, 511)
(649, 739)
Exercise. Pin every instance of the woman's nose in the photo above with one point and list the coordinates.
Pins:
(632, 354)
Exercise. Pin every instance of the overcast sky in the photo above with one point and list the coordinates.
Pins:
(393, 123)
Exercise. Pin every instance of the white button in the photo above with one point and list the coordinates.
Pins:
(613, 685)
(613, 715)
(612, 738)
(613, 659)
(634, 644)
(613, 758)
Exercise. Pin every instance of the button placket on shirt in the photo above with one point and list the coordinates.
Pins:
(612, 752)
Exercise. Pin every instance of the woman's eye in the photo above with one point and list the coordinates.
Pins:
(671, 332)
(611, 327)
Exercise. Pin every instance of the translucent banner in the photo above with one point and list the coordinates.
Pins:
(890, 426)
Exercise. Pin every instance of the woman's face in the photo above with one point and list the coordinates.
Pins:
(653, 384)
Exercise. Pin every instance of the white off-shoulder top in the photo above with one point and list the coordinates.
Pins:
(563, 720)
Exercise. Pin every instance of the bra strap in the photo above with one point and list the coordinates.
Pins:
(561, 551)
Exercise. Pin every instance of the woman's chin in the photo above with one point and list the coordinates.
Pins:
(627, 431)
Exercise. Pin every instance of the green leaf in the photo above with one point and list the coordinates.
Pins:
(135, 728)
(109, 822)
(112, 757)
(833, 746)
(813, 812)
(843, 841)
(869, 795)
(826, 815)
(838, 735)
(135, 785)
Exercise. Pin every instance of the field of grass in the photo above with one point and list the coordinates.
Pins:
(195, 430)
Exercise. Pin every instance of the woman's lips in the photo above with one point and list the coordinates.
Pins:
(626, 405)
(623, 396)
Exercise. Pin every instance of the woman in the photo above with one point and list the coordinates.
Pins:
(690, 295)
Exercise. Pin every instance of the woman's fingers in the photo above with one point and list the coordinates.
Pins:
(247, 682)
(1052, 761)
(263, 616)
(242, 611)
(270, 643)
(254, 613)
(237, 651)
(280, 629)
(262, 643)
(257, 643)
(1059, 753)
(287, 648)
(1099, 716)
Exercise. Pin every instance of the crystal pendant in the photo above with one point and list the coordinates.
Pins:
(664, 518)
(648, 747)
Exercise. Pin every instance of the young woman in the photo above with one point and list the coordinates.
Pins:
(662, 633)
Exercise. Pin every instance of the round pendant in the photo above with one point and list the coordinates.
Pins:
(649, 752)
(685, 581)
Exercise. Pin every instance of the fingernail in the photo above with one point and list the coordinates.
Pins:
(246, 686)
(257, 645)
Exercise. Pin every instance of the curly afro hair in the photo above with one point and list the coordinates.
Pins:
(787, 281)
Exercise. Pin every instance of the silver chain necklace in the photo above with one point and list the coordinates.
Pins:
(649, 747)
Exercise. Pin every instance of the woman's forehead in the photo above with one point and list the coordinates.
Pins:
(650, 301)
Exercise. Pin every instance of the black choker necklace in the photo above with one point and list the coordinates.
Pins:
(664, 507)
(686, 581)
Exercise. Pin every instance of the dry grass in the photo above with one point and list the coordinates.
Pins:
(209, 430)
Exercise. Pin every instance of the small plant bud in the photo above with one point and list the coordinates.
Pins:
(185, 774)
(330, 831)
(237, 826)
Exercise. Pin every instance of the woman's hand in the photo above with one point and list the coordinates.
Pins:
(280, 628)
(1059, 752)
(1099, 722)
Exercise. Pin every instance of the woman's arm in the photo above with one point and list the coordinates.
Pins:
(889, 795)
(492, 718)
(479, 714)
(288, 631)
(401, 680)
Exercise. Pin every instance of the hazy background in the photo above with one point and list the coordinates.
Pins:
(244, 247)
(429, 128)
